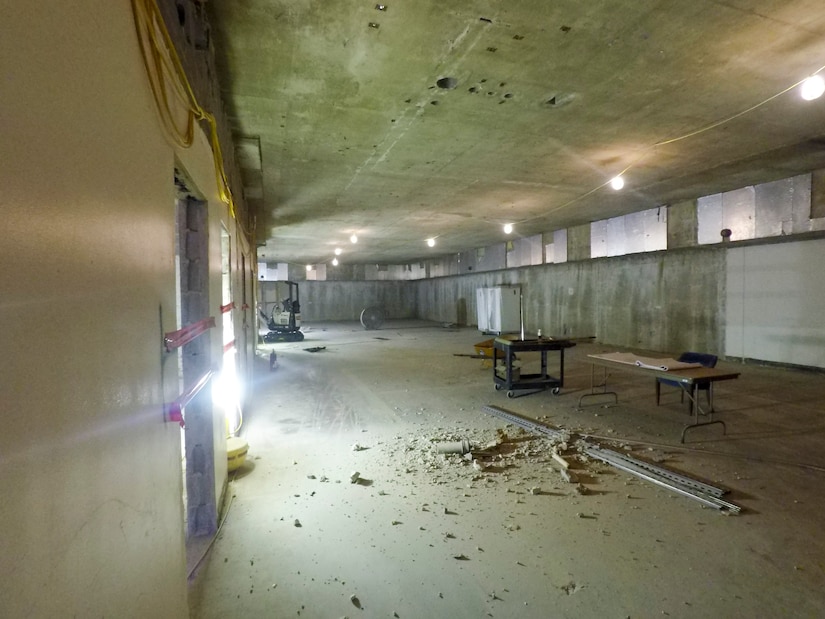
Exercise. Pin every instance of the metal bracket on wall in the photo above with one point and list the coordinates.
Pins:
(176, 339)
(173, 411)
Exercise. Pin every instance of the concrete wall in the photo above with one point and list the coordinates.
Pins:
(90, 475)
(332, 300)
(667, 301)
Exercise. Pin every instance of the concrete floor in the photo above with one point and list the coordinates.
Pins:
(427, 535)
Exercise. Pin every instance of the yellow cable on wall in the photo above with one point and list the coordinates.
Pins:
(170, 85)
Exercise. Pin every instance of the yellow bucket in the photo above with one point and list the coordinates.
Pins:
(236, 449)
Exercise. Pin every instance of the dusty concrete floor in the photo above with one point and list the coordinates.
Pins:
(427, 535)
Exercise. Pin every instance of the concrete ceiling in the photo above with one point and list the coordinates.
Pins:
(448, 119)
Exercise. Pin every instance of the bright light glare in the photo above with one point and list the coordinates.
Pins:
(508, 228)
(338, 251)
(335, 262)
(309, 267)
(617, 183)
(353, 238)
(226, 393)
(812, 88)
(431, 242)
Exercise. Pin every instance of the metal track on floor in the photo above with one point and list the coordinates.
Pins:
(527, 424)
(686, 486)
(706, 494)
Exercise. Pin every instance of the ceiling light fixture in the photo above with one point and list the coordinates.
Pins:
(353, 238)
(338, 251)
(617, 182)
(335, 262)
(309, 267)
(508, 228)
(812, 88)
(431, 242)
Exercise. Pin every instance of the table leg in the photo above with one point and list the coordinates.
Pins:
(693, 394)
(594, 387)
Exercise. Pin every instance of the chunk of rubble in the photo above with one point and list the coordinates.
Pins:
(568, 476)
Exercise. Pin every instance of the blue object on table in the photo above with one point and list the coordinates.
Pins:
(707, 360)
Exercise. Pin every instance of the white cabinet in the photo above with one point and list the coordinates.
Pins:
(499, 309)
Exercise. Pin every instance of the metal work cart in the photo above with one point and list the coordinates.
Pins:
(506, 350)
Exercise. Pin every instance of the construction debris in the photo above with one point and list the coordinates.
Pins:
(562, 462)
(681, 484)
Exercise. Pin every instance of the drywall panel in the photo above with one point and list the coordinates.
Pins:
(525, 252)
(491, 258)
(92, 513)
(559, 246)
(733, 210)
(775, 301)
(774, 208)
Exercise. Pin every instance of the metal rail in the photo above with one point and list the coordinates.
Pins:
(608, 455)
(527, 424)
(668, 481)
(681, 484)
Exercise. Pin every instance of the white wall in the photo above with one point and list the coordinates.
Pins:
(90, 479)
(775, 308)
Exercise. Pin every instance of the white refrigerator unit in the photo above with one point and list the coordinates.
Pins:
(499, 309)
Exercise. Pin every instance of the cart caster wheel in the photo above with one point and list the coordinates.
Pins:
(556, 391)
(498, 387)
(510, 394)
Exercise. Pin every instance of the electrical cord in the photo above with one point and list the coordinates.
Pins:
(214, 537)
(165, 70)
(690, 134)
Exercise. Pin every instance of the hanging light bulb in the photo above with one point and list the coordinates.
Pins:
(335, 262)
(508, 228)
(353, 238)
(431, 242)
(309, 267)
(338, 251)
(812, 88)
(617, 182)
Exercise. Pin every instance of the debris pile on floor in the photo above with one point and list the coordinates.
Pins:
(510, 455)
